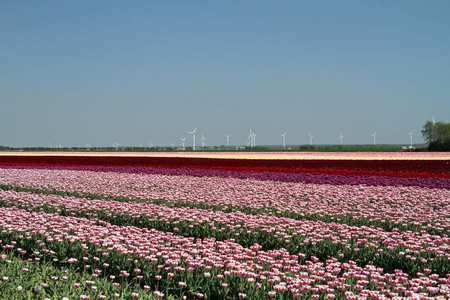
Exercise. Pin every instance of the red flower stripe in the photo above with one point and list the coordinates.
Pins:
(342, 167)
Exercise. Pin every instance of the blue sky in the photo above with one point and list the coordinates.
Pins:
(76, 72)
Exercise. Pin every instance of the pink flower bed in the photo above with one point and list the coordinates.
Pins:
(428, 208)
(238, 223)
(276, 270)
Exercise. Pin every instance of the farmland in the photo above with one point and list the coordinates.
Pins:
(221, 226)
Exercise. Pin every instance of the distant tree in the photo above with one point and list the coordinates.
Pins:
(437, 135)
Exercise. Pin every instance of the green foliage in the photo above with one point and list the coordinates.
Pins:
(437, 136)
(36, 281)
(439, 146)
(351, 148)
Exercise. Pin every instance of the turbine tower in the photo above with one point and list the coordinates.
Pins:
(341, 137)
(116, 146)
(374, 135)
(150, 144)
(228, 140)
(284, 140)
(184, 140)
(251, 137)
(193, 138)
(310, 139)
(203, 139)
(410, 137)
(434, 121)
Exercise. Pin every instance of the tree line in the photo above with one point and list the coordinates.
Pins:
(437, 135)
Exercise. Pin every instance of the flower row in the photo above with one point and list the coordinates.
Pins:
(409, 251)
(221, 269)
(406, 208)
(318, 176)
(396, 165)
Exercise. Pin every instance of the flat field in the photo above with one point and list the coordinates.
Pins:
(224, 226)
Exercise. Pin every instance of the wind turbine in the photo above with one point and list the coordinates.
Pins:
(116, 146)
(284, 140)
(310, 139)
(410, 137)
(228, 140)
(251, 137)
(88, 146)
(203, 139)
(150, 144)
(433, 127)
(374, 135)
(184, 140)
(193, 138)
(341, 137)
(171, 145)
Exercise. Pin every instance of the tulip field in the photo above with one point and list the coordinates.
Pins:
(224, 226)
